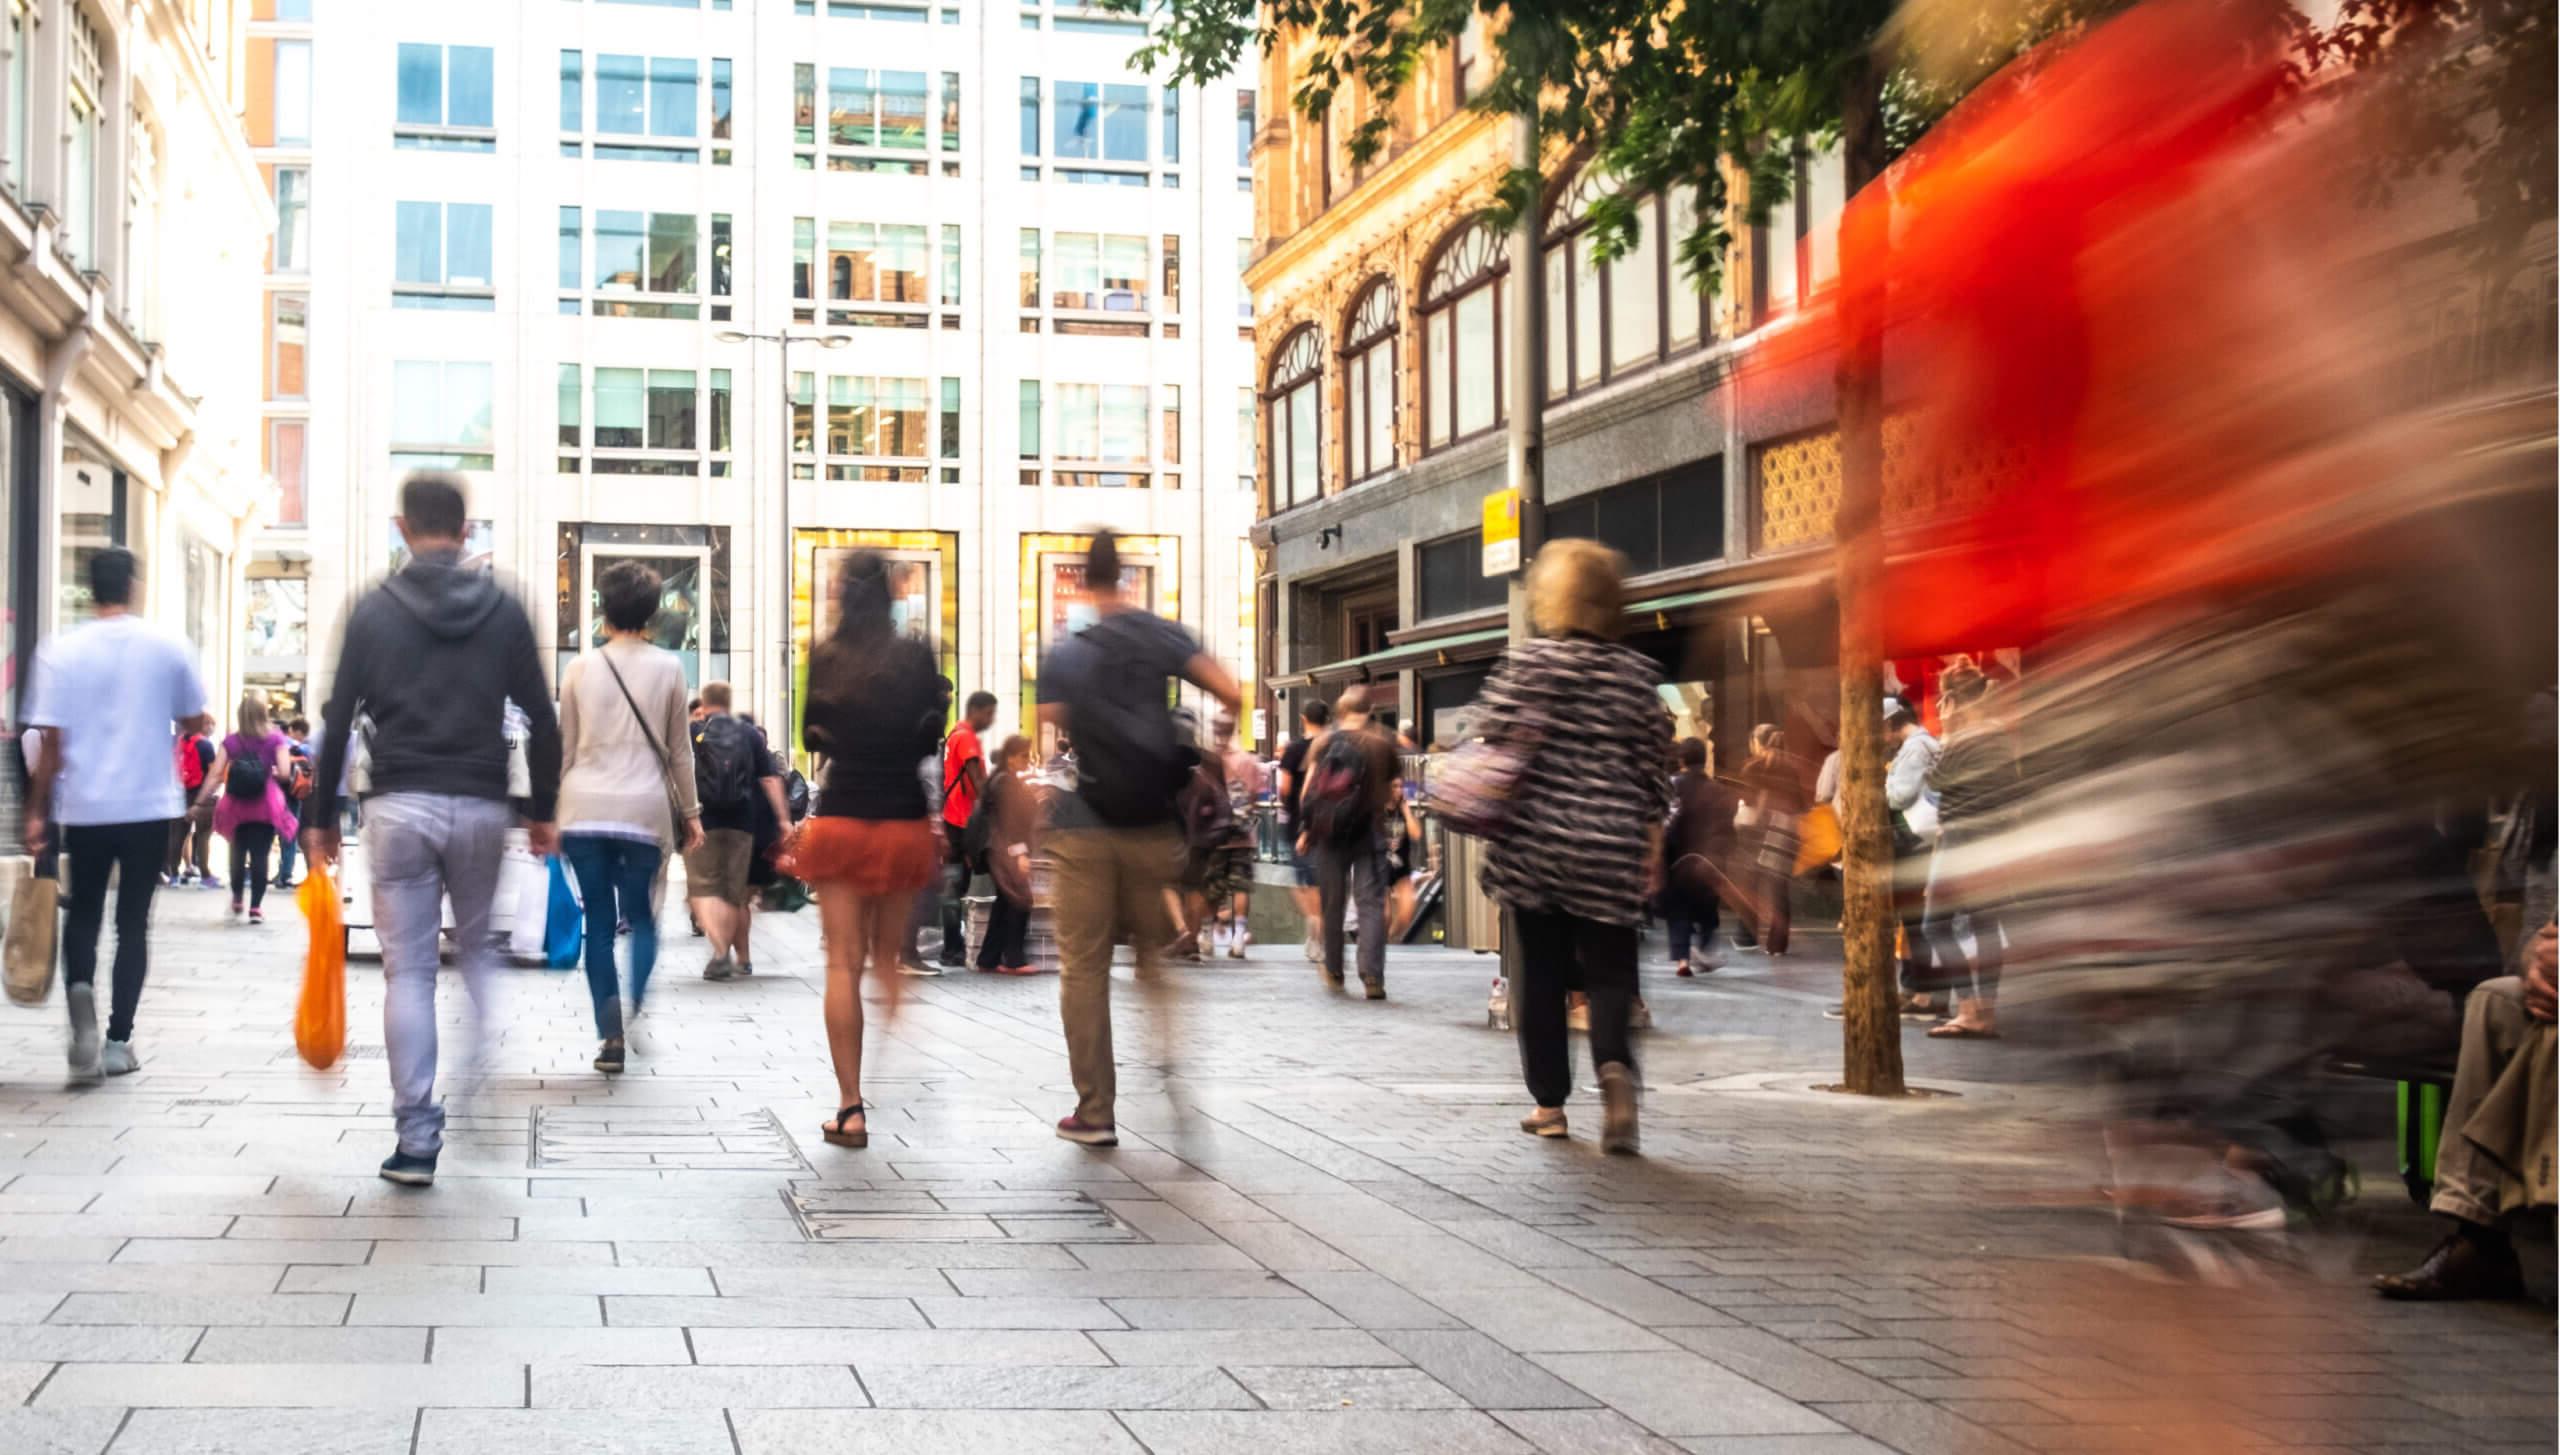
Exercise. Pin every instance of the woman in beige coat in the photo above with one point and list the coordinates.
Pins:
(626, 789)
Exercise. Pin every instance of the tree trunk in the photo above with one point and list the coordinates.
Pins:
(1870, 1025)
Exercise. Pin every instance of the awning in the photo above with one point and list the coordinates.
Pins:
(1431, 651)
(1689, 602)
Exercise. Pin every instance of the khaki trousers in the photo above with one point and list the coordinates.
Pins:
(1106, 886)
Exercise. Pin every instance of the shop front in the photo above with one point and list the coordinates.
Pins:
(924, 594)
(1053, 605)
(692, 562)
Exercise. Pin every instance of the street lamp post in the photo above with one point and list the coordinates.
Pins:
(782, 342)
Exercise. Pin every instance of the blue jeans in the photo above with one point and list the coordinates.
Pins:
(613, 879)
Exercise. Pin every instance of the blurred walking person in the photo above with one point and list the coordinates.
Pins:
(964, 777)
(1007, 818)
(875, 709)
(1586, 818)
(245, 793)
(1293, 781)
(1113, 843)
(104, 790)
(626, 792)
(1228, 886)
(1977, 785)
(1697, 845)
(732, 768)
(431, 659)
(191, 837)
(1353, 784)
(1773, 799)
(297, 792)
(1913, 805)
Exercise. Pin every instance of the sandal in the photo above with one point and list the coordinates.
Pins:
(1959, 1031)
(836, 1135)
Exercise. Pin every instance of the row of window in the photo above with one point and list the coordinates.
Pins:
(1604, 322)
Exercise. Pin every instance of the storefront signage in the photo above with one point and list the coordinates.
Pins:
(1502, 532)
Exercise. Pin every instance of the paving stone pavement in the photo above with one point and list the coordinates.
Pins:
(1322, 1233)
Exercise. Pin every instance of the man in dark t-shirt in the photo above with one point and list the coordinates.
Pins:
(1293, 781)
(1113, 843)
(716, 872)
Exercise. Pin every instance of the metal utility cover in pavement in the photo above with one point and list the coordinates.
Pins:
(747, 1141)
(846, 1214)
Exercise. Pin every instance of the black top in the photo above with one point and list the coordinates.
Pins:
(1115, 679)
(1293, 762)
(433, 657)
(875, 710)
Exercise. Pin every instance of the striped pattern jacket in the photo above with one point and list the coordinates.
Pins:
(1594, 791)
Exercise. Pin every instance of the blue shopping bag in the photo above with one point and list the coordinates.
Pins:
(564, 931)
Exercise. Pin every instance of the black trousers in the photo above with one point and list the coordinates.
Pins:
(1008, 933)
(132, 853)
(249, 845)
(1560, 952)
(194, 832)
(955, 903)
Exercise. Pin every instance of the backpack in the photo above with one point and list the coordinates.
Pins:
(1131, 762)
(1208, 816)
(981, 827)
(247, 778)
(724, 763)
(190, 766)
(297, 784)
(1334, 807)
(795, 794)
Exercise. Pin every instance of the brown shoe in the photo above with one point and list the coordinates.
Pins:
(1618, 1109)
(2463, 1266)
(1546, 1121)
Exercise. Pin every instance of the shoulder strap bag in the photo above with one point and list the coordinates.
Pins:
(666, 780)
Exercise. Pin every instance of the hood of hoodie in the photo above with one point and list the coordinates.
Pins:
(446, 598)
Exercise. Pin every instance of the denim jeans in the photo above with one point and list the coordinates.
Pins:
(613, 879)
(419, 849)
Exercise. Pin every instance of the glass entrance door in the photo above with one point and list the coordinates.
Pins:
(683, 576)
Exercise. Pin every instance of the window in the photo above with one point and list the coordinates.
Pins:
(1369, 385)
(285, 440)
(647, 264)
(875, 274)
(1102, 130)
(80, 143)
(723, 103)
(1449, 578)
(647, 422)
(293, 219)
(440, 416)
(446, 98)
(895, 11)
(1467, 69)
(138, 274)
(877, 121)
(1609, 319)
(1099, 283)
(21, 96)
(441, 256)
(1462, 336)
(291, 118)
(1244, 437)
(1244, 294)
(1290, 399)
(1097, 431)
(1244, 131)
(875, 428)
(287, 336)
(657, 98)
(1675, 518)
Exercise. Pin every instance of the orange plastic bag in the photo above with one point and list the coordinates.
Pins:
(1817, 839)
(320, 1021)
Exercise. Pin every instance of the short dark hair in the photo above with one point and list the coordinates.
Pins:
(300, 726)
(1693, 753)
(630, 594)
(112, 573)
(1316, 713)
(981, 698)
(432, 505)
(1102, 562)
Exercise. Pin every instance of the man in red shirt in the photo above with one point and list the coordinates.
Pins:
(964, 777)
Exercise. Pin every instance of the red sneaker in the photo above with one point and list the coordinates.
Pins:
(1085, 1134)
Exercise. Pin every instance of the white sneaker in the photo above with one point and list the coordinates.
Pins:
(83, 1002)
(119, 1059)
(1236, 945)
(1217, 939)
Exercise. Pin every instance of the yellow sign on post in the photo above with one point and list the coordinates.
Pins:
(1502, 533)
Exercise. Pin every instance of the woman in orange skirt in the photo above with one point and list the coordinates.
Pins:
(875, 710)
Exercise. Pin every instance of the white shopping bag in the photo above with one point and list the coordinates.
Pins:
(524, 901)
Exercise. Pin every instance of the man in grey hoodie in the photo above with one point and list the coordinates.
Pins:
(431, 659)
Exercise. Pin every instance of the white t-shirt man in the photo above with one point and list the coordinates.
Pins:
(117, 688)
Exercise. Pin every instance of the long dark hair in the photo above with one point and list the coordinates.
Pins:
(864, 654)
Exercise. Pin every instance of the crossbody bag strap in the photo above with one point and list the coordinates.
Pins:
(666, 779)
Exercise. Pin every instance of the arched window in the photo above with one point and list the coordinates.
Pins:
(1290, 412)
(1609, 319)
(1462, 337)
(1369, 385)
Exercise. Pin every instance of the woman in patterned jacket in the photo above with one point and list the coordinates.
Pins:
(1586, 824)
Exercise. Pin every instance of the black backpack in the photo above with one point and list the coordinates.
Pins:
(1130, 759)
(981, 827)
(247, 778)
(1208, 817)
(724, 762)
(795, 794)
(1334, 807)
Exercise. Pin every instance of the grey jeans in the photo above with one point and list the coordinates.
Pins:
(1347, 874)
(419, 849)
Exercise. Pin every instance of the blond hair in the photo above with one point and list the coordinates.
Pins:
(254, 721)
(1576, 585)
